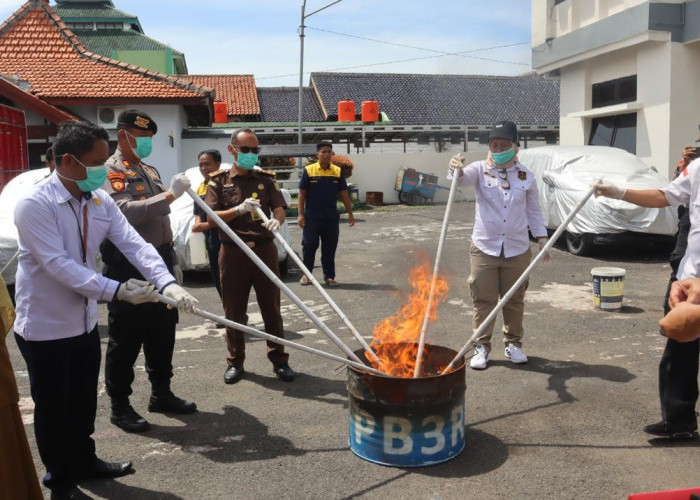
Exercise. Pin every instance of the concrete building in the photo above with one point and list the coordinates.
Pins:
(628, 70)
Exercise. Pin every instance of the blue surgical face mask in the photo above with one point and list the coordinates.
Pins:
(144, 146)
(94, 177)
(504, 157)
(247, 160)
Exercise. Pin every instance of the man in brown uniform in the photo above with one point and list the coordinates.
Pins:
(234, 195)
(140, 194)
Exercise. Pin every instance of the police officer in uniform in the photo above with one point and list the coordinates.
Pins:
(140, 194)
(234, 195)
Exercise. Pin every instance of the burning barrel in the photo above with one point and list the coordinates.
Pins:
(408, 422)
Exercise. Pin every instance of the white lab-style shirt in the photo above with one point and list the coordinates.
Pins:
(55, 291)
(684, 191)
(503, 215)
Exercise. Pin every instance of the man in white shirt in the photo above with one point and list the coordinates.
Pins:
(61, 224)
(507, 203)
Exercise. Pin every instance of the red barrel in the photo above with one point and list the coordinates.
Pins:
(346, 111)
(370, 111)
(220, 112)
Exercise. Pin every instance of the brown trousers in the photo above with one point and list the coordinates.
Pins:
(238, 274)
(489, 280)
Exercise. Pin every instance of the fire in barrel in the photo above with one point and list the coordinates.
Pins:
(403, 421)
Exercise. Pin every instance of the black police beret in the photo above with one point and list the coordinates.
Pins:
(505, 130)
(133, 118)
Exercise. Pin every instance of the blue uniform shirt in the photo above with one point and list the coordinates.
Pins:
(322, 187)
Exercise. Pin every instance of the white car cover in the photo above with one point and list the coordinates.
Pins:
(564, 175)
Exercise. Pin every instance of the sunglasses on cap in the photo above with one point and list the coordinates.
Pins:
(246, 149)
(503, 175)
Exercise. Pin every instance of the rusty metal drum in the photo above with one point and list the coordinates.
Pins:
(407, 422)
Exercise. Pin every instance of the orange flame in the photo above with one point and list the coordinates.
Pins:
(396, 337)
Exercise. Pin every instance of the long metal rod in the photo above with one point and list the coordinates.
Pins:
(10, 261)
(318, 286)
(273, 277)
(479, 331)
(272, 338)
(436, 269)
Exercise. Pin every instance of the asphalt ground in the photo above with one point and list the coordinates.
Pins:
(567, 424)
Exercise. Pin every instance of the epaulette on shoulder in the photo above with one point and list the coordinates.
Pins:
(218, 172)
(271, 173)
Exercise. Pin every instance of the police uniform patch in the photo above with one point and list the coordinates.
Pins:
(132, 173)
(126, 163)
(522, 175)
(141, 122)
(140, 187)
(117, 180)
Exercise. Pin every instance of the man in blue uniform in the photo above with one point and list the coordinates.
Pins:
(319, 187)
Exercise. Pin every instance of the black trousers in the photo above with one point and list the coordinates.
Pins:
(678, 369)
(131, 327)
(327, 231)
(63, 378)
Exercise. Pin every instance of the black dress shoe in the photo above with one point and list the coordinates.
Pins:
(233, 374)
(680, 432)
(128, 420)
(107, 470)
(72, 493)
(170, 403)
(284, 373)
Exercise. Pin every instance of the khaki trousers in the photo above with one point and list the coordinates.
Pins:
(490, 279)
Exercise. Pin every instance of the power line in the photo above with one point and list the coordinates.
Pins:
(442, 54)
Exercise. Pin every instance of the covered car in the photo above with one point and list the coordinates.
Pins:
(564, 175)
(10, 195)
(189, 246)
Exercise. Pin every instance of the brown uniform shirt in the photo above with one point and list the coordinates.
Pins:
(228, 189)
(140, 194)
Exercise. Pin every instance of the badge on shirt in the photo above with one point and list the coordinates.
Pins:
(98, 201)
(126, 163)
(117, 181)
(522, 175)
(152, 173)
(254, 195)
(260, 186)
(132, 173)
(140, 187)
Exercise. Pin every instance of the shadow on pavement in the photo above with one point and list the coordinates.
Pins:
(115, 489)
(306, 386)
(561, 371)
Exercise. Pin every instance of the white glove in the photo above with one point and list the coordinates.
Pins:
(609, 190)
(179, 184)
(272, 225)
(177, 272)
(137, 292)
(541, 242)
(457, 161)
(248, 205)
(184, 300)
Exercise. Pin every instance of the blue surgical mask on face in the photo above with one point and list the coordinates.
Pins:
(247, 160)
(94, 177)
(504, 157)
(144, 146)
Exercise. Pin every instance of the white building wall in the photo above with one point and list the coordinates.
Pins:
(685, 106)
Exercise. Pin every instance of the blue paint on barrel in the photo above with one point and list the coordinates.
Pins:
(405, 422)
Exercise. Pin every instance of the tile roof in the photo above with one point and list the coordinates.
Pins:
(103, 42)
(237, 91)
(281, 104)
(38, 48)
(445, 99)
(92, 12)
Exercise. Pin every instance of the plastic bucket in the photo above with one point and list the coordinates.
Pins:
(608, 287)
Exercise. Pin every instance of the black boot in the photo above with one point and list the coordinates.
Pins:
(126, 418)
(167, 402)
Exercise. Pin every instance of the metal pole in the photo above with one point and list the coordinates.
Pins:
(273, 277)
(272, 338)
(301, 76)
(10, 261)
(520, 281)
(318, 286)
(436, 269)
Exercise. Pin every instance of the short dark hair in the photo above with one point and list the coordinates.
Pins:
(49, 153)
(77, 138)
(323, 144)
(240, 131)
(214, 153)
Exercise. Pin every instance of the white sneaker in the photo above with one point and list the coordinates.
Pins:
(480, 358)
(515, 354)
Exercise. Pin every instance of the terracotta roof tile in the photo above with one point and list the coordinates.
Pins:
(37, 47)
(237, 91)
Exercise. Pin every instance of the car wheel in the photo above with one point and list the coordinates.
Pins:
(284, 266)
(579, 244)
(403, 197)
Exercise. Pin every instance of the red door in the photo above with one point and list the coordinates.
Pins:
(14, 158)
